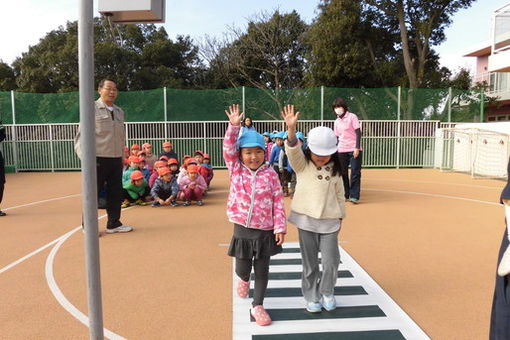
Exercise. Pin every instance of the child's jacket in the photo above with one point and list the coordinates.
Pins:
(318, 194)
(161, 186)
(184, 182)
(256, 198)
(135, 191)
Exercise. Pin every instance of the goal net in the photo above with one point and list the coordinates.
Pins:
(479, 152)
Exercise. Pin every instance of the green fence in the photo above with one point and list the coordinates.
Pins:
(160, 105)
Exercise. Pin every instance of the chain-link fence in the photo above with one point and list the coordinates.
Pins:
(167, 105)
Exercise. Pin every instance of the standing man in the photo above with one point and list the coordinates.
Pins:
(2, 168)
(347, 129)
(110, 141)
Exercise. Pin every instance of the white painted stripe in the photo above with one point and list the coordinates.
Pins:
(435, 195)
(43, 201)
(9, 266)
(59, 296)
(435, 182)
(396, 318)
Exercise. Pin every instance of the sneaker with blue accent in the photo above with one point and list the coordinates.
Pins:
(174, 203)
(314, 307)
(329, 302)
(156, 204)
(354, 200)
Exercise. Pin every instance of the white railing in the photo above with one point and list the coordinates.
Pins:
(498, 82)
(49, 147)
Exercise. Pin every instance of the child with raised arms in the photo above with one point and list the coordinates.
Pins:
(255, 206)
(317, 209)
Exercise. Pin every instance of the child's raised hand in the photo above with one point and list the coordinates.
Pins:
(234, 114)
(289, 116)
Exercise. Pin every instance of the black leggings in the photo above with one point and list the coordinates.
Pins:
(261, 268)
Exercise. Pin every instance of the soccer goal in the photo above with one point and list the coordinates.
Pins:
(479, 152)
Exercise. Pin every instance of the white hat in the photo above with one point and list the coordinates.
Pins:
(322, 141)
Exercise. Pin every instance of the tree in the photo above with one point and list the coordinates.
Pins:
(7, 77)
(346, 50)
(269, 56)
(139, 57)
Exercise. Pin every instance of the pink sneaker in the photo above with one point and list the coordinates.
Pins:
(243, 288)
(260, 315)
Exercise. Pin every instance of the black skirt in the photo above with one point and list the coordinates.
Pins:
(248, 243)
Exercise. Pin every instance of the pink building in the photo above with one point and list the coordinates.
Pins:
(493, 64)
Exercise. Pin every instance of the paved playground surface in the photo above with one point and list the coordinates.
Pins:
(422, 245)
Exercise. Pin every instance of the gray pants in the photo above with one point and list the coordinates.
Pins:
(314, 284)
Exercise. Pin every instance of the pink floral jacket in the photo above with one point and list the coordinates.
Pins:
(256, 198)
(184, 182)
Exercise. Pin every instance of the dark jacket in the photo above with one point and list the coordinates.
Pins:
(2, 161)
(505, 194)
(164, 188)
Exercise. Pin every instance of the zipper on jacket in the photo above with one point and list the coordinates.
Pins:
(252, 199)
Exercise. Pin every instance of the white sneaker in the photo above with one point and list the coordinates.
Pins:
(314, 307)
(120, 229)
(329, 302)
(504, 265)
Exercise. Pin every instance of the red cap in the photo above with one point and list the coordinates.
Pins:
(167, 144)
(163, 157)
(206, 156)
(136, 175)
(192, 168)
(186, 156)
(135, 146)
(199, 152)
(134, 159)
(157, 164)
(173, 161)
(141, 153)
(146, 145)
(163, 171)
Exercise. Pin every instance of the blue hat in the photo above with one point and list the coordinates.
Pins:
(300, 135)
(251, 138)
(280, 134)
(285, 135)
(267, 134)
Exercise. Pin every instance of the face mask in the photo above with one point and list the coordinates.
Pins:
(339, 111)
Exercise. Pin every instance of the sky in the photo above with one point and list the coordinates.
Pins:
(29, 20)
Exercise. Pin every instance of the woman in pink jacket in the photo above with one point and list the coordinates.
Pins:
(255, 206)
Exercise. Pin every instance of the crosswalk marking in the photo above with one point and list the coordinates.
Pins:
(364, 310)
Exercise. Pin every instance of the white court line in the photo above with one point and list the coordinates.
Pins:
(433, 182)
(60, 297)
(39, 202)
(435, 195)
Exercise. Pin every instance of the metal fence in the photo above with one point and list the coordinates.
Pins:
(49, 147)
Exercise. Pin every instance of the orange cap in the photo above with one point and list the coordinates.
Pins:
(173, 161)
(163, 171)
(167, 144)
(192, 168)
(206, 156)
(135, 175)
(163, 158)
(134, 159)
(135, 146)
(157, 164)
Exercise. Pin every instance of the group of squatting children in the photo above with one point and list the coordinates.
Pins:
(256, 208)
(162, 181)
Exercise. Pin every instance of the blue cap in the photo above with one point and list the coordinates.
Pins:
(267, 134)
(285, 135)
(251, 138)
(280, 134)
(300, 135)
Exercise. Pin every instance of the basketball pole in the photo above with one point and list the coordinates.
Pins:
(88, 167)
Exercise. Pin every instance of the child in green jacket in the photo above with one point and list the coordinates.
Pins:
(135, 189)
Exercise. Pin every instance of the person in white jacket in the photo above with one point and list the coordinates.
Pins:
(317, 209)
